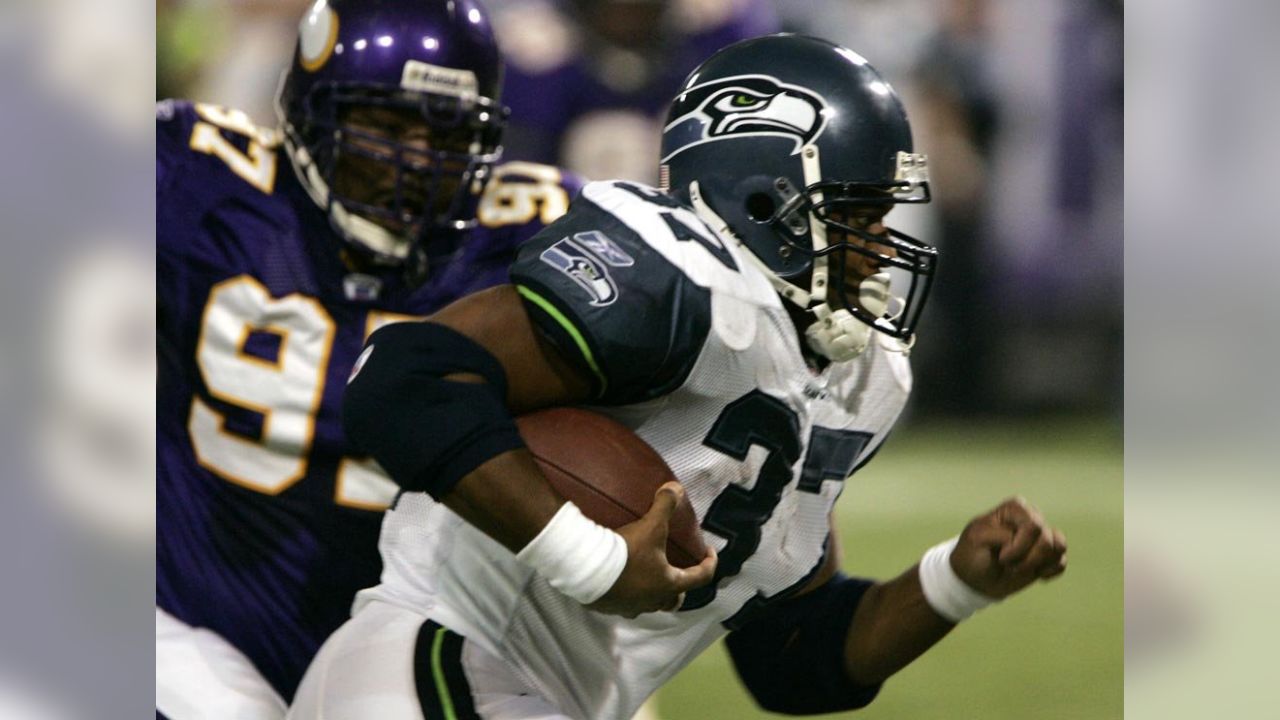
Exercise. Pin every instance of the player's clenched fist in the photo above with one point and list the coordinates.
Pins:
(1007, 549)
(649, 583)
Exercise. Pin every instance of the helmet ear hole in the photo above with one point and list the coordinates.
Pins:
(760, 207)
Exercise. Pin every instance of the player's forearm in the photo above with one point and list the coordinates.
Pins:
(893, 626)
(507, 498)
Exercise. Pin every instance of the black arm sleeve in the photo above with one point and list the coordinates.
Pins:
(791, 659)
(425, 431)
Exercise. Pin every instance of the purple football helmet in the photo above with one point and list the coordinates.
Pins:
(433, 61)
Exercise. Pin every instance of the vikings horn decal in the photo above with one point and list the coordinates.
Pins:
(747, 105)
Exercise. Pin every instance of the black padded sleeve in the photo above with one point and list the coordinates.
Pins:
(792, 658)
(426, 431)
(612, 304)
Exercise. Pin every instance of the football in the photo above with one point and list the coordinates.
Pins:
(609, 473)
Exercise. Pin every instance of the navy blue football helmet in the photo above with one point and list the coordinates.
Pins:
(434, 62)
(781, 140)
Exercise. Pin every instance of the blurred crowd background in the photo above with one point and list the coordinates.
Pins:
(1018, 104)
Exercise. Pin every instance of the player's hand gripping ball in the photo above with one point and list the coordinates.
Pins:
(609, 473)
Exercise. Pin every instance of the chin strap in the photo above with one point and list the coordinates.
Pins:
(838, 335)
(812, 168)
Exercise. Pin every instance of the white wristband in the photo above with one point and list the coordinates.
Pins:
(947, 594)
(578, 556)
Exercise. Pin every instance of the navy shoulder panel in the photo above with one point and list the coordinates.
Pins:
(613, 304)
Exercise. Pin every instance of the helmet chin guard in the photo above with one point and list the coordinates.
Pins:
(839, 336)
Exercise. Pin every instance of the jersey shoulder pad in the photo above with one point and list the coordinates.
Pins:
(525, 171)
(525, 197)
(595, 284)
(215, 174)
(213, 144)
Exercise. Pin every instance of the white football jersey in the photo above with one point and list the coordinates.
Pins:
(693, 350)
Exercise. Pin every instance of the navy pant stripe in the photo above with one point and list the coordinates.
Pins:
(443, 690)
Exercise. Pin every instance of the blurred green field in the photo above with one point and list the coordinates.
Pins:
(1054, 652)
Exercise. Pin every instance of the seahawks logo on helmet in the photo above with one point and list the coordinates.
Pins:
(746, 105)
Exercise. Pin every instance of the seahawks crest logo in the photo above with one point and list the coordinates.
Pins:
(746, 105)
(585, 259)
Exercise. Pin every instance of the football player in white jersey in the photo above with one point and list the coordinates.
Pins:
(750, 321)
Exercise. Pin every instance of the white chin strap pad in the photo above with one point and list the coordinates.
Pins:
(368, 233)
(839, 336)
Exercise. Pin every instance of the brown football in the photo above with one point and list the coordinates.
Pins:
(608, 472)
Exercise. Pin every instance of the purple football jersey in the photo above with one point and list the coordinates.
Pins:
(266, 523)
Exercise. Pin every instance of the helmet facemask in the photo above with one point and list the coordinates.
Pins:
(839, 271)
(827, 223)
(387, 195)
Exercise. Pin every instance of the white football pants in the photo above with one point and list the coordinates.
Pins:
(201, 676)
(391, 663)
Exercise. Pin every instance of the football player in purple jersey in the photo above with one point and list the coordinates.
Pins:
(380, 198)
